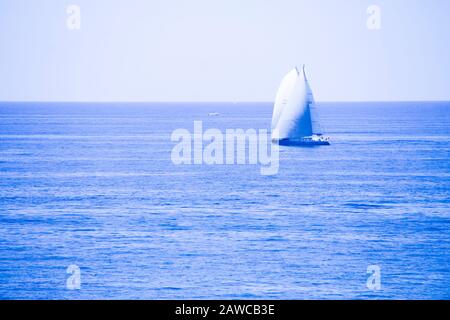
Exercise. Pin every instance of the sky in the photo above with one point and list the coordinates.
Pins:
(223, 50)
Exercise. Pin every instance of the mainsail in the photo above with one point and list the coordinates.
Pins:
(294, 116)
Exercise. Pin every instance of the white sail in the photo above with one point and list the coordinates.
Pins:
(292, 113)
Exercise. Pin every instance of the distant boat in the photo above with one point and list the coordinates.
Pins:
(294, 120)
(213, 114)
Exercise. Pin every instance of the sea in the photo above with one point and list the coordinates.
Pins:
(93, 207)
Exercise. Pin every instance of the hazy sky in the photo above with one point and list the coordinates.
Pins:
(222, 50)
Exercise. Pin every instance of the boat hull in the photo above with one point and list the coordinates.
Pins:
(302, 142)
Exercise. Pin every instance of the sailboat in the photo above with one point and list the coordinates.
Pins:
(295, 120)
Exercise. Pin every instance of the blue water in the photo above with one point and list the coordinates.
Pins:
(93, 185)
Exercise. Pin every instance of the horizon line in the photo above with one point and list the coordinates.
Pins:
(212, 101)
